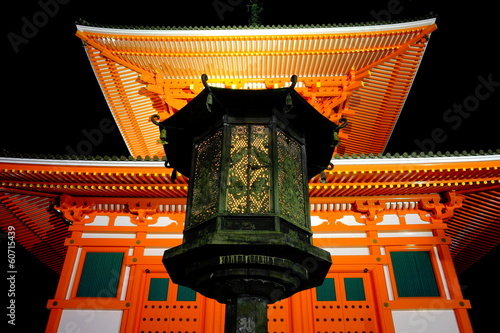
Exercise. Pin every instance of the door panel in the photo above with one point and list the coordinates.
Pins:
(349, 309)
(166, 307)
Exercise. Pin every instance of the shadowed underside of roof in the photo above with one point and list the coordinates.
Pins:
(38, 228)
(362, 73)
(30, 187)
(475, 227)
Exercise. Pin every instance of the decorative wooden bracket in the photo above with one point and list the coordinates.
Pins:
(442, 208)
(331, 97)
(371, 208)
(142, 212)
(74, 210)
(175, 97)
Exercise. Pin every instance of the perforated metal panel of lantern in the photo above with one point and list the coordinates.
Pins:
(247, 237)
(248, 177)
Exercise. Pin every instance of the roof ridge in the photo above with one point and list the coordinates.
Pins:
(421, 154)
(163, 158)
(430, 15)
(83, 157)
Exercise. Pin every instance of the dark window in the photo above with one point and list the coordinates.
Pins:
(158, 289)
(100, 274)
(414, 274)
(186, 294)
(354, 289)
(326, 292)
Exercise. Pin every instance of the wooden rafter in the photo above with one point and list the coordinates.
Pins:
(30, 191)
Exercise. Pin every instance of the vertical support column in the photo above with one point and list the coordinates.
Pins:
(381, 298)
(301, 305)
(62, 286)
(213, 315)
(451, 277)
(132, 317)
(246, 314)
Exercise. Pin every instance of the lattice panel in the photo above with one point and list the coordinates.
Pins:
(206, 179)
(248, 184)
(237, 183)
(290, 180)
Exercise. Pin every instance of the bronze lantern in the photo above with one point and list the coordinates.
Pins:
(247, 238)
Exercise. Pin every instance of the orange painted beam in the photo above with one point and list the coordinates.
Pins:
(90, 303)
(427, 303)
(389, 241)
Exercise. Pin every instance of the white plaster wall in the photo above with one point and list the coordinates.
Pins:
(425, 321)
(389, 219)
(405, 234)
(90, 321)
(415, 219)
(348, 251)
(163, 221)
(155, 251)
(99, 220)
(123, 221)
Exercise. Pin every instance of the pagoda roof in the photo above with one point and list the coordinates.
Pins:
(360, 72)
(30, 187)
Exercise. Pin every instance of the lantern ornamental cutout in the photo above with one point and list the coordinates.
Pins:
(247, 236)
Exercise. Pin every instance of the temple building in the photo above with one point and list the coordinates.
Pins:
(399, 228)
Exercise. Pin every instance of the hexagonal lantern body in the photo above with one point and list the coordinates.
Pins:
(249, 155)
(248, 176)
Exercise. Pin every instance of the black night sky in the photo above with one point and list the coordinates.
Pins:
(52, 96)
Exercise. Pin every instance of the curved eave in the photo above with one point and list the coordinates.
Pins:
(402, 176)
(350, 177)
(93, 178)
(30, 187)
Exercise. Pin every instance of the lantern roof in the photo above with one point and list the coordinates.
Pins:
(283, 104)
